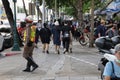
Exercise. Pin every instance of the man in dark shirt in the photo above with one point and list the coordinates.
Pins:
(101, 29)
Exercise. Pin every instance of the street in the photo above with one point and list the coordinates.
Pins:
(79, 65)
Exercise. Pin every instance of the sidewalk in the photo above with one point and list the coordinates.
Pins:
(51, 66)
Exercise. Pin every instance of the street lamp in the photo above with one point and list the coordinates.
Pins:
(15, 44)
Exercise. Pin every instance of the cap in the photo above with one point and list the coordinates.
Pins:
(29, 19)
(117, 47)
(56, 23)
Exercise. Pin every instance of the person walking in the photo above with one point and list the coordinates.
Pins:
(38, 28)
(66, 36)
(29, 38)
(45, 35)
(112, 68)
(56, 36)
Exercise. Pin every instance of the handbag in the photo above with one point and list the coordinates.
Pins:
(114, 78)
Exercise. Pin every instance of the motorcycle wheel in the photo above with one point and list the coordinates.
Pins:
(82, 42)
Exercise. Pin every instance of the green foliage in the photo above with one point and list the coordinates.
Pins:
(71, 5)
(117, 18)
(86, 6)
(70, 11)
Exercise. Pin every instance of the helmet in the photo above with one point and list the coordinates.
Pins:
(29, 19)
(115, 40)
(104, 43)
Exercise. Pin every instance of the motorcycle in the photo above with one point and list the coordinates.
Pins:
(84, 39)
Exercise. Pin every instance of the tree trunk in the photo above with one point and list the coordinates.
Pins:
(92, 25)
(9, 14)
(80, 13)
(39, 11)
(24, 8)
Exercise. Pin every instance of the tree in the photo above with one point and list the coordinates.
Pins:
(9, 14)
(92, 25)
(24, 8)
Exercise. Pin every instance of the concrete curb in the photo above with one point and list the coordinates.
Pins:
(9, 53)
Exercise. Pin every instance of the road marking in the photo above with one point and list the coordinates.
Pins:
(59, 64)
(82, 60)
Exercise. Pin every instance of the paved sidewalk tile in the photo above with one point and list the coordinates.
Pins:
(48, 78)
(76, 78)
(62, 78)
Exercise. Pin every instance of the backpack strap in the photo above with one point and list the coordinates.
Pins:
(112, 66)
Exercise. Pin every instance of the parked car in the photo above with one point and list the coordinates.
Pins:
(6, 39)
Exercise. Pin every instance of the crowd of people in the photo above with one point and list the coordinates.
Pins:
(107, 28)
(60, 33)
(32, 33)
(57, 32)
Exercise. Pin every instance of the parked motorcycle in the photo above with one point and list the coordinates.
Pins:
(84, 39)
(104, 44)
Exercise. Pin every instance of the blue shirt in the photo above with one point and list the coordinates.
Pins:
(108, 71)
(101, 29)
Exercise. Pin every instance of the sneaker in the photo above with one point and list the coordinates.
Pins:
(47, 52)
(64, 51)
(26, 70)
(70, 50)
(58, 52)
